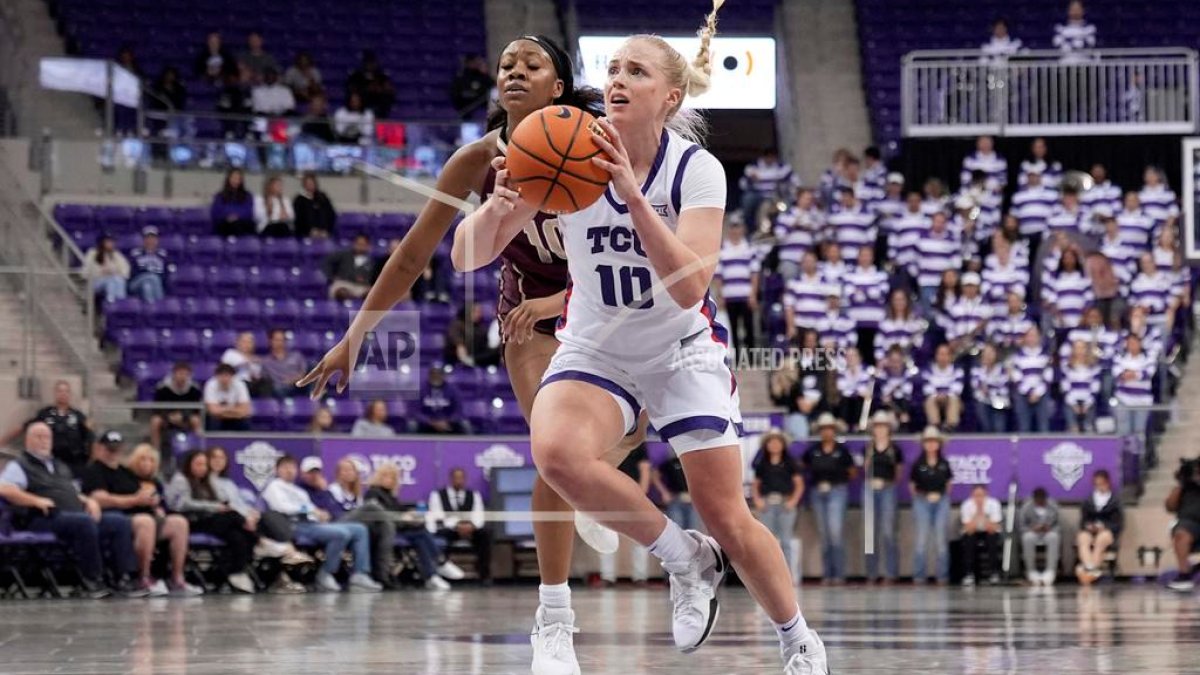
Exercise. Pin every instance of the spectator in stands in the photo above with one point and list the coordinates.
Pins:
(233, 207)
(831, 468)
(303, 78)
(1152, 290)
(805, 297)
(1001, 45)
(1076, 38)
(981, 519)
(836, 330)
(671, 483)
(107, 269)
(321, 422)
(853, 226)
(1133, 371)
(125, 58)
(1007, 331)
(242, 357)
(467, 339)
(274, 529)
(896, 384)
(472, 86)
(1069, 217)
(1040, 527)
(833, 177)
(456, 514)
(233, 99)
(1106, 286)
(990, 388)
(737, 275)
(1039, 162)
(1158, 200)
(943, 388)
(1032, 207)
(936, 252)
(1135, 225)
(780, 386)
(1066, 293)
(1103, 195)
(227, 401)
(440, 408)
(214, 60)
(132, 488)
(282, 367)
(883, 461)
(637, 466)
(256, 60)
(284, 496)
(777, 490)
(929, 483)
(1184, 502)
(40, 487)
(874, 171)
(374, 86)
(906, 229)
(1100, 523)
(373, 423)
(192, 493)
(353, 122)
(1032, 373)
(71, 432)
(796, 231)
(148, 267)
(271, 97)
(317, 125)
(766, 179)
(855, 384)
(314, 212)
(350, 271)
(167, 95)
(385, 485)
(1100, 343)
(889, 208)
(969, 316)
(433, 284)
(1081, 383)
(900, 326)
(986, 159)
(273, 214)
(1122, 258)
(178, 387)
(344, 501)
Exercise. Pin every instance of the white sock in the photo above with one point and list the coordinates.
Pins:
(792, 630)
(555, 596)
(674, 545)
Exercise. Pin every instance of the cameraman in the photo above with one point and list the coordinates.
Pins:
(1184, 502)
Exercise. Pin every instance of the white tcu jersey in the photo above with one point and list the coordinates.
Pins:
(616, 303)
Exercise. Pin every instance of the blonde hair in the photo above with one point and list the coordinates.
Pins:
(693, 77)
(385, 470)
(140, 451)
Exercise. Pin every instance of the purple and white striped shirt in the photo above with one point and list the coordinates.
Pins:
(939, 381)
(906, 231)
(852, 229)
(1101, 341)
(1102, 196)
(865, 290)
(1152, 291)
(1006, 332)
(1051, 172)
(1135, 228)
(737, 264)
(1071, 222)
(992, 164)
(1160, 203)
(808, 298)
(1139, 389)
(837, 330)
(1123, 258)
(935, 255)
(888, 209)
(896, 386)
(1070, 293)
(796, 231)
(990, 385)
(1031, 371)
(967, 315)
(909, 334)
(1152, 341)
(766, 179)
(1033, 208)
(999, 280)
(1080, 385)
(858, 382)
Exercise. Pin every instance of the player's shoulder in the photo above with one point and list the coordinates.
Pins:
(480, 151)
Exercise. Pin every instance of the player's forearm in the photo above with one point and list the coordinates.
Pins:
(481, 237)
(686, 275)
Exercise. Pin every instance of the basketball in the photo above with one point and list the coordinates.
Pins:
(550, 160)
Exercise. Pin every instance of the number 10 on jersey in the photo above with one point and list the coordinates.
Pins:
(625, 277)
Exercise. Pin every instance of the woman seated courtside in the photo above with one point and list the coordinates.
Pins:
(193, 494)
(384, 486)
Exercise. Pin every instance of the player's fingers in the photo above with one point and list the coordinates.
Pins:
(308, 377)
(498, 163)
(604, 164)
(322, 381)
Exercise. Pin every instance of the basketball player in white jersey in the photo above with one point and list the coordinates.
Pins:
(637, 332)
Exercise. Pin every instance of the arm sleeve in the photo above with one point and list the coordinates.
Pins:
(89, 481)
(436, 512)
(477, 511)
(702, 184)
(14, 475)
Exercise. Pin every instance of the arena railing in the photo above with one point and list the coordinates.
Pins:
(1103, 92)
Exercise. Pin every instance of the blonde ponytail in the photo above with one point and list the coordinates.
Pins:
(699, 71)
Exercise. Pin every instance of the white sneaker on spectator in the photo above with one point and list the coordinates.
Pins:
(155, 588)
(806, 657)
(327, 584)
(968, 580)
(1034, 577)
(694, 587)
(553, 640)
(363, 583)
(449, 570)
(186, 591)
(436, 583)
(269, 548)
(285, 585)
(294, 557)
(1049, 577)
(599, 537)
(241, 582)
(1182, 584)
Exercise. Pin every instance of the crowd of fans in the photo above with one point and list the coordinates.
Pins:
(1045, 305)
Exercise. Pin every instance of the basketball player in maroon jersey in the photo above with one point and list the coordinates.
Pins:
(533, 73)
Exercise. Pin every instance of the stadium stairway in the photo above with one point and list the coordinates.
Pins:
(821, 52)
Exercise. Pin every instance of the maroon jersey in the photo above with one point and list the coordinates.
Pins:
(533, 265)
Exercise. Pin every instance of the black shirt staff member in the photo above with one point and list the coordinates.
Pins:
(831, 467)
(69, 427)
(777, 490)
(929, 482)
(883, 463)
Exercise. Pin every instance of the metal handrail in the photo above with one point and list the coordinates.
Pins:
(920, 54)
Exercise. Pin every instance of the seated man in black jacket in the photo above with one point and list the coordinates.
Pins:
(315, 215)
(351, 271)
(1100, 523)
(1184, 501)
(40, 487)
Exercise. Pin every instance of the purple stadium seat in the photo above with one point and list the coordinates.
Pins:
(215, 342)
(164, 313)
(188, 280)
(350, 225)
(147, 374)
(496, 384)
(320, 315)
(193, 221)
(281, 252)
(201, 313)
(228, 282)
(180, 345)
(466, 382)
(115, 219)
(74, 217)
(138, 344)
(345, 411)
(309, 344)
(204, 370)
(479, 414)
(124, 313)
(243, 251)
(128, 242)
(205, 250)
(243, 313)
(162, 218)
(436, 317)
(173, 244)
(281, 313)
(296, 413)
(264, 414)
(308, 282)
(313, 251)
(394, 225)
(269, 282)
(433, 347)
(509, 419)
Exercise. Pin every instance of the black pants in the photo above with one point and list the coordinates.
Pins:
(991, 545)
(278, 230)
(866, 343)
(850, 410)
(229, 527)
(741, 324)
(481, 541)
(90, 540)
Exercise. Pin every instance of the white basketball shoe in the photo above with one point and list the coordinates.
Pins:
(553, 640)
(806, 657)
(599, 537)
(694, 587)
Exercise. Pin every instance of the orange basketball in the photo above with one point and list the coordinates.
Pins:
(550, 160)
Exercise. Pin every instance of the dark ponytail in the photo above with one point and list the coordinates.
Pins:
(584, 97)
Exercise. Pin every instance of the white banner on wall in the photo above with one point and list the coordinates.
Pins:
(89, 76)
(743, 69)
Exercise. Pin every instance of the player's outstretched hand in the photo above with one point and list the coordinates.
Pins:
(336, 360)
(518, 325)
(617, 163)
(503, 194)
